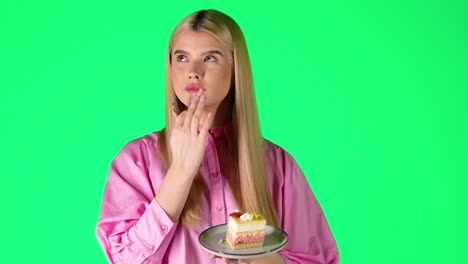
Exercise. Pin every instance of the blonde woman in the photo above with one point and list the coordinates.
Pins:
(165, 188)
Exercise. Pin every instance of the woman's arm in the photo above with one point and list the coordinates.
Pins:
(188, 143)
(133, 225)
(173, 192)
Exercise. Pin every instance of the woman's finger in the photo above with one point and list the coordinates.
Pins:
(238, 261)
(197, 115)
(180, 119)
(190, 110)
(225, 260)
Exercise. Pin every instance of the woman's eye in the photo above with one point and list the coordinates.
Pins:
(210, 59)
(181, 57)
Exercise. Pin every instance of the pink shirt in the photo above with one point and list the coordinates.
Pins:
(133, 228)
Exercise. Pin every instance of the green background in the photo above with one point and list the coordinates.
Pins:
(369, 97)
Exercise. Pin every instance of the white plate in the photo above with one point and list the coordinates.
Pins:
(275, 240)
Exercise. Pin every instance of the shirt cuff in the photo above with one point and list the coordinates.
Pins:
(155, 226)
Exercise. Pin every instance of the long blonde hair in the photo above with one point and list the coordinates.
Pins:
(251, 183)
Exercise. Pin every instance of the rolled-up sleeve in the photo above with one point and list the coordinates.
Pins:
(310, 238)
(132, 225)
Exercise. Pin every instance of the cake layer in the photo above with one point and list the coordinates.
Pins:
(244, 246)
(244, 226)
(234, 240)
(246, 233)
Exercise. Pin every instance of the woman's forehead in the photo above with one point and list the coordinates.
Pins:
(197, 42)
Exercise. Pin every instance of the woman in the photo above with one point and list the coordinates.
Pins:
(164, 189)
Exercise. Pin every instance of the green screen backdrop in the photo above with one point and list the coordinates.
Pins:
(370, 97)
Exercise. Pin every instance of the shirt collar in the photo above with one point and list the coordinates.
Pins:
(221, 131)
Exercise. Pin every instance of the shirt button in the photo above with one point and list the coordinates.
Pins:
(164, 227)
(219, 207)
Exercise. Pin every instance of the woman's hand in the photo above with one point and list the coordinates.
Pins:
(234, 261)
(188, 136)
(272, 259)
(187, 142)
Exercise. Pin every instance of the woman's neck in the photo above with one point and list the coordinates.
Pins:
(223, 113)
(222, 116)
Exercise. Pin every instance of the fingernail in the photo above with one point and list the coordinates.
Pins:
(210, 115)
(200, 91)
(202, 98)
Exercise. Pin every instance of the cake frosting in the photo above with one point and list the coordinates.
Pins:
(245, 230)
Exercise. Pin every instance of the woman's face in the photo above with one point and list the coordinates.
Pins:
(200, 61)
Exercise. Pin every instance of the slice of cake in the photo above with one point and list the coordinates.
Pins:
(245, 230)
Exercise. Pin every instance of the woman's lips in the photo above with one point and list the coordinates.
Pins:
(193, 88)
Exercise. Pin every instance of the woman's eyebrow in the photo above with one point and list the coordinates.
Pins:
(180, 51)
(215, 51)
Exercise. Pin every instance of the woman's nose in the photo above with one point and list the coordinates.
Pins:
(195, 72)
(194, 75)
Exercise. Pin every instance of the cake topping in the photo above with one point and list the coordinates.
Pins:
(235, 214)
(246, 217)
